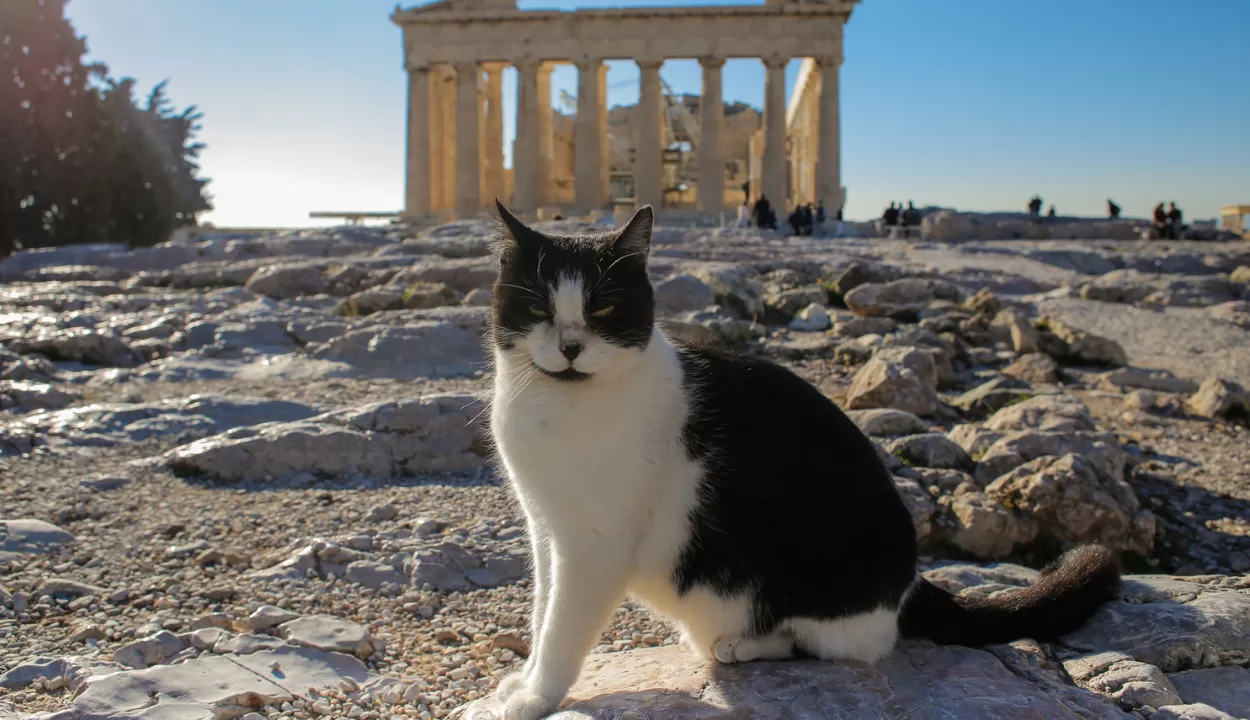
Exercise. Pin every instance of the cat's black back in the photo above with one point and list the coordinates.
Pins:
(795, 503)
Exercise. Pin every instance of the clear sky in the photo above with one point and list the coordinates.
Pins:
(974, 104)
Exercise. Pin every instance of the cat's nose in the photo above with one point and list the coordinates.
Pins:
(571, 350)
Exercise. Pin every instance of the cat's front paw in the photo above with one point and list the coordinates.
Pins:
(509, 686)
(525, 704)
(725, 648)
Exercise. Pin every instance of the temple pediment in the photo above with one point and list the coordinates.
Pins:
(459, 6)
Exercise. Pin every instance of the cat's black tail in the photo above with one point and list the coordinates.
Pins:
(1069, 591)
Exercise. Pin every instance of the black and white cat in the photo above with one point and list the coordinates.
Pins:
(724, 492)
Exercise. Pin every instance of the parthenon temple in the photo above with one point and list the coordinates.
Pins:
(456, 51)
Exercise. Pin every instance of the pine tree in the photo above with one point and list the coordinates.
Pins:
(81, 162)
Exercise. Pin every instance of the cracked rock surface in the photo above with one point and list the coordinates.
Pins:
(247, 477)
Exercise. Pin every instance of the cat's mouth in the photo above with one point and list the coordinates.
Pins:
(567, 375)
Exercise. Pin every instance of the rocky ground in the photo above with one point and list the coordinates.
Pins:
(245, 477)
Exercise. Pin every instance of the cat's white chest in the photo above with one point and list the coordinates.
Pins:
(593, 456)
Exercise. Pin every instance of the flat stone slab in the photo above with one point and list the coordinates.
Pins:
(212, 686)
(1224, 688)
(326, 632)
(1172, 624)
(31, 536)
(918, 681)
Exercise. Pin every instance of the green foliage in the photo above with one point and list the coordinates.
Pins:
(80, 160)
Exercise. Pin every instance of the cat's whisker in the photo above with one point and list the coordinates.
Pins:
(521, 288)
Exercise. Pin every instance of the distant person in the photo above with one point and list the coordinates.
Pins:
(1160, 220)
(1113, 210)
(807, 219)
(1175, 228)
(793, 221)
(820, 219)
(911, 218)
(746, 192)
(1051, 211)
(839, 228)
(1035, 206)
(744, 215)
(890, 216)
(763, 212)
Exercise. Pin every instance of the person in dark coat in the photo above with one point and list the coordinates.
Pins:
(1035, 206)
(1113, 210)
(890, 216)
(1160, 218)
(763, 211)
(1176, 230)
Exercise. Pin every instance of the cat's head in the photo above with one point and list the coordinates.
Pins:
(573, 308)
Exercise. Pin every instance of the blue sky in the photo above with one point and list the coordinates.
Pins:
(975, 104)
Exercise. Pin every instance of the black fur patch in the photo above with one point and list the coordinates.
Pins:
(796, 507)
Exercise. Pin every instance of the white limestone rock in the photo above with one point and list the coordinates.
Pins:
(287, 281)
(887, 422)
(1174, 624)
(405, 437)
(1072, 503)
(682, 293)
(813, 318)
(28, 536)
(1130, 683)
(1224, 688)
(1218, 397)
(930, 450)
(326, 632)
(903, 378)
(1054, 413)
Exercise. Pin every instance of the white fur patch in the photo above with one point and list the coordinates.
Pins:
(568, 298)
(866, 637)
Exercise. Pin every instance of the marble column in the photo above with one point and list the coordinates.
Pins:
(829, 137)
(587, 140)
(526, 176)
(447, 141)
(546, 136)
(435, 139)
(417, 185)
(775, 133)
(492, 148)
(648, 155)
(711, 165)
(468, 112)
(605, 143)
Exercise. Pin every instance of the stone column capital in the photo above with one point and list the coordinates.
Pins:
(587, 63)
(649, 63)
(712, 62)
(530, 66)
(827, 61)
(466, 68)
(416, 67)
(775, 62)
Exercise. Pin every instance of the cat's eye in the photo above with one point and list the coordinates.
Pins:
(539, 312)
(603, 312)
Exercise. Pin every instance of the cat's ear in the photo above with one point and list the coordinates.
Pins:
(635, 237)
(508, 230)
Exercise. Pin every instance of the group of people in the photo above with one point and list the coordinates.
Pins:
(803, 220)
(1035, 207)
(762, 214)
(898, 216)
(1168, 222)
